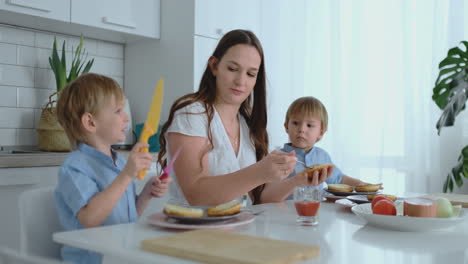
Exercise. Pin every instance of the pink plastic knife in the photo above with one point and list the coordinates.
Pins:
(168, 169)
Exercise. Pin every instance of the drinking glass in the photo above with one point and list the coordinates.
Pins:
(307, 202)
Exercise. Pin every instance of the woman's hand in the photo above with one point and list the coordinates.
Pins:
(137, 161)
(277, 165)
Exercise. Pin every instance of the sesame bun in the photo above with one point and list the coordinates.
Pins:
(340, 187)
(183, 211)
(224, 209)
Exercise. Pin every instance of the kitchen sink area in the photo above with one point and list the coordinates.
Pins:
(8, 150)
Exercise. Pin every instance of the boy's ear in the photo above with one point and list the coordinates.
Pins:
(286, 127)
(88, 123)
(213, 64)
(322, 132)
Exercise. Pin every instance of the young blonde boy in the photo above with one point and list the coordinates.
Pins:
(306, 123)
(95, 184)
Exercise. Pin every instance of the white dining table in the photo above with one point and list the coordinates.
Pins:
(342, 237)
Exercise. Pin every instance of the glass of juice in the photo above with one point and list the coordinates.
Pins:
(307, 201)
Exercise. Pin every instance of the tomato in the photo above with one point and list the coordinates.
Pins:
(378, 198)
(384, 207)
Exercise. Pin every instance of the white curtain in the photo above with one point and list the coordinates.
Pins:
(373, 64)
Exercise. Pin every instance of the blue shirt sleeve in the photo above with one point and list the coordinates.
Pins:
(76, 188)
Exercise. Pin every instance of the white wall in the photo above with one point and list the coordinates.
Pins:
(26, 80)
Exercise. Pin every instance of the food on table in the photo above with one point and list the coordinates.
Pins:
(318, 167)
(340, 187)
(183, 211)
(379, 198)
(420, 207)
(444, 207)
(307, 208)
(224, 209)
(367, 188)
(371, 197)
(384, 207)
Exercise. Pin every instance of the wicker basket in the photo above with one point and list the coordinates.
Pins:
(52, 137)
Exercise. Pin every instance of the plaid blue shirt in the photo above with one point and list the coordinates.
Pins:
(315, 156)
(85, 173)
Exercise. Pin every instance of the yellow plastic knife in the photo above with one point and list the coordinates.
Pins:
(152, 120)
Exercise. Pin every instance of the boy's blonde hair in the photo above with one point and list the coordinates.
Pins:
(308, 106)
(87, 94)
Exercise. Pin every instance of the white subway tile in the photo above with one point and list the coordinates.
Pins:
(33, 97)
(26, 137)
(90, 45)
(7, 137)
(46, 41)
(37, 116)
(27, 56)
(45, 79)
(16, 36)
(8, 97)
(16, 75)
(7, 53)
(110, 49)
(108, 66)
(43, 58)
(16, 117)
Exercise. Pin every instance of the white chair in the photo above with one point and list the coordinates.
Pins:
(38, 221)
(9, 256)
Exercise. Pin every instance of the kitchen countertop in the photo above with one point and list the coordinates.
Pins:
(23, 160)
(39, 158)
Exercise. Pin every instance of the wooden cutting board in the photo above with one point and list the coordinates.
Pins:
(215, 246)
(454, 198)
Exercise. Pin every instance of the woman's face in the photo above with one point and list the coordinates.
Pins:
(236, 73)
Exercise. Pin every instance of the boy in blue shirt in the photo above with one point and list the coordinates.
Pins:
(95, 184)
(306, 123)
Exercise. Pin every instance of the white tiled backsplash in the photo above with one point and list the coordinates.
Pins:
(26, 80)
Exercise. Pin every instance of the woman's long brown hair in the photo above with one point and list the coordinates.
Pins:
(253, 109)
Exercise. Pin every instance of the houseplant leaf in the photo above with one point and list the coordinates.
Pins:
(451, 88)
(450, 94)
(459, 172)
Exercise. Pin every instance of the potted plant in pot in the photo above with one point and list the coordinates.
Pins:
(51, 136)
(450, 94)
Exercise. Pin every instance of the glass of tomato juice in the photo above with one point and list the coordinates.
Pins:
(307, 201)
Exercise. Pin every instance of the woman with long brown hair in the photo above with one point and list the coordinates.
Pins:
(222, 130)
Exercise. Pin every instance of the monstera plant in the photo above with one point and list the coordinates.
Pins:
(450, 94)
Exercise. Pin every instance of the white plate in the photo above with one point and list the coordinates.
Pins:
(405, 223)
(202, 219)
(161, 220)
(345, 203)
(349, 193)
(358, 199)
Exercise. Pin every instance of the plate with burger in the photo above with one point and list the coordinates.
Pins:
(341, 189)
(198, 217)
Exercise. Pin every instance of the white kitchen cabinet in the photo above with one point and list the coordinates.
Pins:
(213, 18)
(121, 21)
(135, 17)
(52, 9)
(189, 36)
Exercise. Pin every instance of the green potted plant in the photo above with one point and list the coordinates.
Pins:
(51, 136)
(450, 94)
